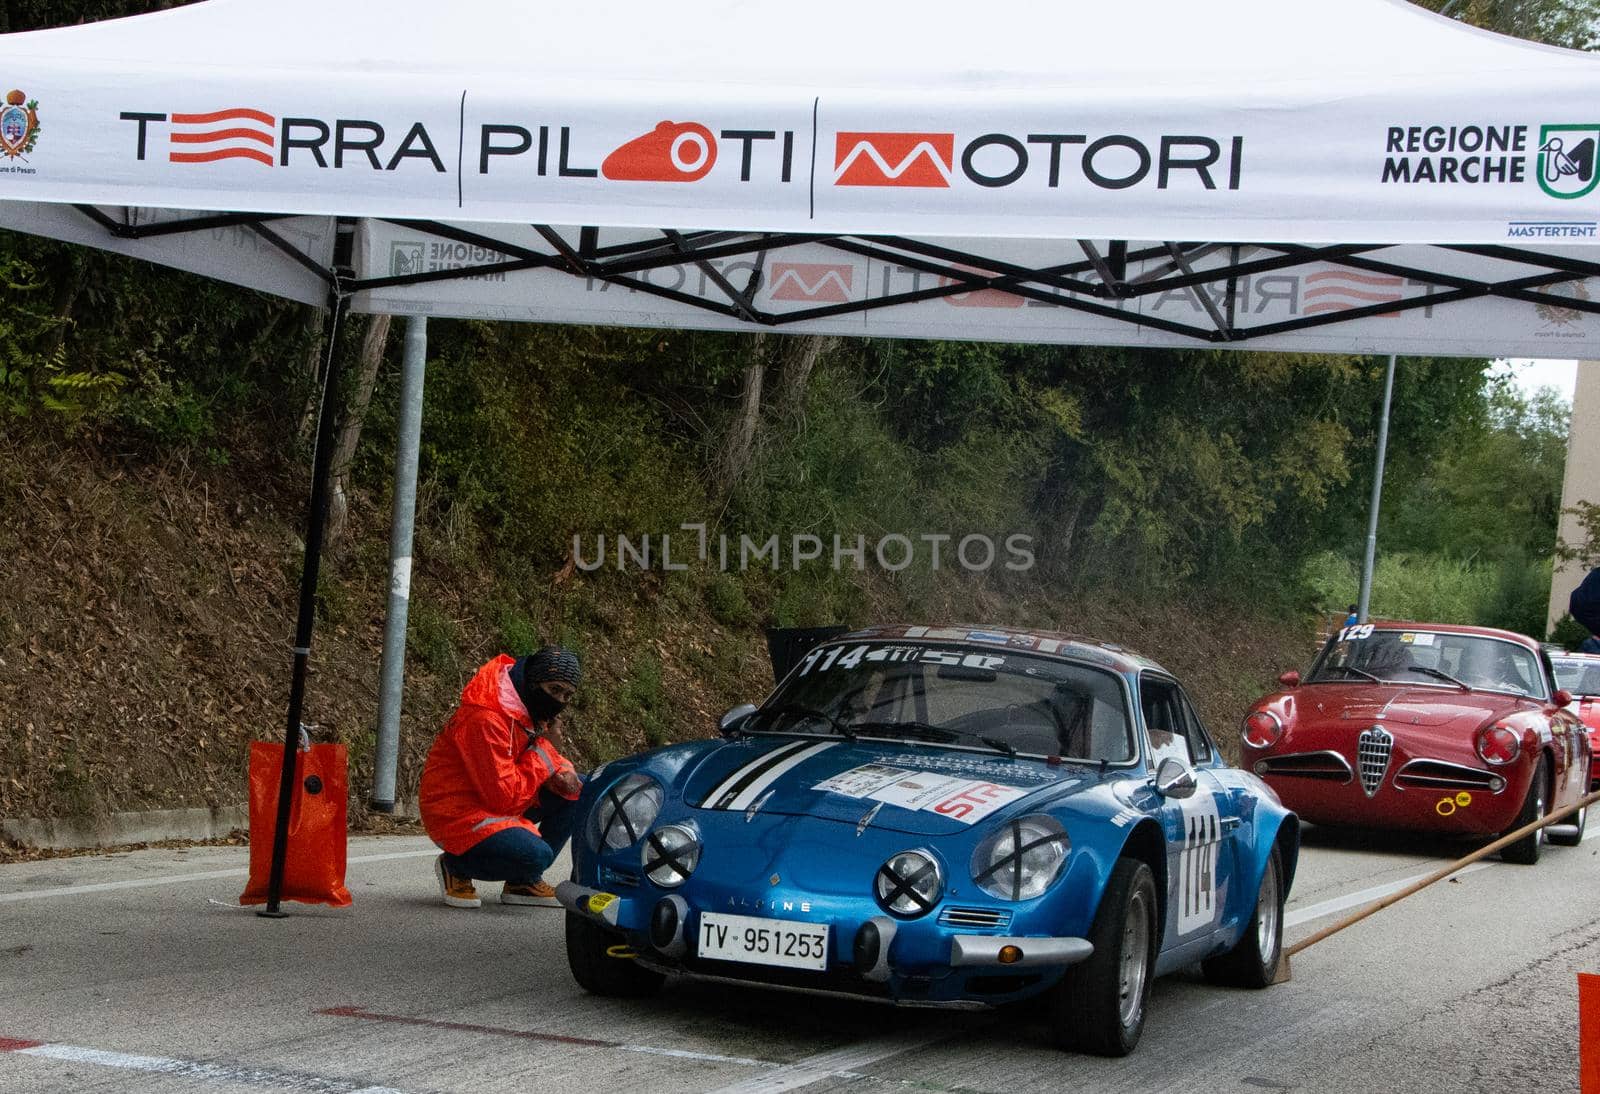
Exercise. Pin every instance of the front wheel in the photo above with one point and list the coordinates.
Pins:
(1099, 1006)
(1253, 961)
(593, 955)
(1525, 852)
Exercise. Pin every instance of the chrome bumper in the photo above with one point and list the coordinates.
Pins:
(984, 949)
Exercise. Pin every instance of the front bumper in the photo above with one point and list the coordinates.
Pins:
(913, 962)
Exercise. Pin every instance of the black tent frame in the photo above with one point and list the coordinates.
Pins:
(1098, 283)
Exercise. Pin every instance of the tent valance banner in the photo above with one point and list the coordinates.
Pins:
(1270, 174)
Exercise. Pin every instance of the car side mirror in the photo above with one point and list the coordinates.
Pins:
(1290, 679)
(1174, 779)
(731, 721)
(1562, 697)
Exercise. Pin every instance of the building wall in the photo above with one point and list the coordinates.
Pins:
(1582, 479)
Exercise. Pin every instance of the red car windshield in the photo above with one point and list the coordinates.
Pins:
(1579, 675)
(1393, 656)
(949, 694)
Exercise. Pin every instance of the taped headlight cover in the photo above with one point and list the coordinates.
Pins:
(626, 811)
(1021, 858)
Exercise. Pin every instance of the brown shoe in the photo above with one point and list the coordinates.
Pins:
(457, 891)
(538, 893)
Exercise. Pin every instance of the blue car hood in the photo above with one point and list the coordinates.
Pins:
(915, 788)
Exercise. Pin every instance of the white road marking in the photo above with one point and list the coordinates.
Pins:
(199, 1069)
(181, 879)
(840, 1063)
(1378, 892)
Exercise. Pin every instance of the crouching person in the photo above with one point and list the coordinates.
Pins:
(497, 795)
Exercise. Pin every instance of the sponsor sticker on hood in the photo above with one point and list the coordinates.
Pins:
(961, 799)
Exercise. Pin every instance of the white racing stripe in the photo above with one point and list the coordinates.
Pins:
(755, 789)
(733, 792)
(232, 1074)
(182, 879)
(1378, 892)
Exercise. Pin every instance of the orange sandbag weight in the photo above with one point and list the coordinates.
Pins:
(314, 866)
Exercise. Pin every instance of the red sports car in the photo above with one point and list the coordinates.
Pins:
(1425, 726)
(1579, 674)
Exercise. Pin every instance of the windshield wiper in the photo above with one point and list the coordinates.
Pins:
(1356, 672)
(812, 712)
(921, 730)
(1442, 675)
(1000, 746)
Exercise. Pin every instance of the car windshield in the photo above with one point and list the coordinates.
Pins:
(1382, 655)
(996, 698)
(1579, 675)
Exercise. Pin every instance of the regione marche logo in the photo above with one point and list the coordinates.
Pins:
(894, 159)
(19, 124)
(1566, 162)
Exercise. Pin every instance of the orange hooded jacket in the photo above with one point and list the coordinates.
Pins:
(486, 766)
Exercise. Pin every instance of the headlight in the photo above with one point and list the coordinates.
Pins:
(1262, 729)
(1498, 745)
(1021, 859)
(670, 855)
(909, 884)
(626, 811)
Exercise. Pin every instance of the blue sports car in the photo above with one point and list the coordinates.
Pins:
(940, 815)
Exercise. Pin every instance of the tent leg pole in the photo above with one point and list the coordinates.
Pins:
(392, 673)
(317, 518)
(1377, 495)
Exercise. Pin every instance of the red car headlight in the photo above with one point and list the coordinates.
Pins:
(1498, 745)
(1262, 729)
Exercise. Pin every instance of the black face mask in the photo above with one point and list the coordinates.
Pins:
(542, 706)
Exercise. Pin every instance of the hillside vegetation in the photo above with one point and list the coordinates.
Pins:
(1203, 507)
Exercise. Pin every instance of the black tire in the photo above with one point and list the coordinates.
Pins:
(1088, 1009)
(599, 973)
(1253, 961)
(1525, 852)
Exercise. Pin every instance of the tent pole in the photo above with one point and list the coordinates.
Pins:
(316, 519)
(1377, 495)
(392, 673)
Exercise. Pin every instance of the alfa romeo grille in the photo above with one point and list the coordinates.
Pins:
(1372, 756)
(974, 917)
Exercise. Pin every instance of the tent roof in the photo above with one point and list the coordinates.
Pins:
(857, 168)
(1129, 49)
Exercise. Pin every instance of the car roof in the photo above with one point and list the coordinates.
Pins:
(1456, 628)
(1061, 644)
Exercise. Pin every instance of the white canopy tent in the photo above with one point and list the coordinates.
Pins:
(1275, 174)
(1303, 177)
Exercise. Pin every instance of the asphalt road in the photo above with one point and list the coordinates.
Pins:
(129, 973)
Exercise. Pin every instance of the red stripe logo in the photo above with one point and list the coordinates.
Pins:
(894, 159)
(239, 133)
(812, 282)
(1346, 290)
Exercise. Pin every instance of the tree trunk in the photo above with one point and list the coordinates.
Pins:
(316, 322)
(739, 441)
(799, 358)
(373, 343)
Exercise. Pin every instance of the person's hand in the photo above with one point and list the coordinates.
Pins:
(566, 783)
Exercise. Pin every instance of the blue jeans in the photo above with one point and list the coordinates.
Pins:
(516, 855)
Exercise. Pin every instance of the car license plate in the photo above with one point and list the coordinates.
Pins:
(758, 941)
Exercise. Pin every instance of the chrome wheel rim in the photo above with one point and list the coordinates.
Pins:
(1135, 960)
(1538, 808)
(1267, 916)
